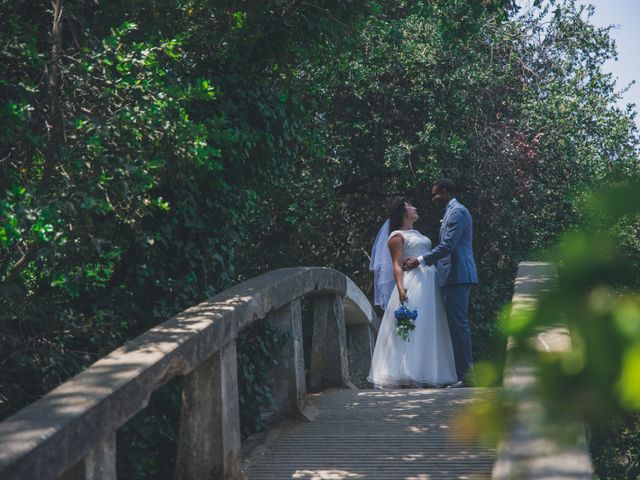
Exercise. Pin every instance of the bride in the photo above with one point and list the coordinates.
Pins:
(427, 358)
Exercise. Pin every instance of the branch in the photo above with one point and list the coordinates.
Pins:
(22, 263)
(7, 259)
(55, 127)
(329, 15)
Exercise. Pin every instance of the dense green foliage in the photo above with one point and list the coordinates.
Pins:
(614, 448)
(154, 153)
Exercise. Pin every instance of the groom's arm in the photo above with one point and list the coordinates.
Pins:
(450, 239)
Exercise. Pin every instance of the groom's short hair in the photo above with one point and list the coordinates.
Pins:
(446, 184)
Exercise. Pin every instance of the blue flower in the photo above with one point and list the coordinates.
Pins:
(405, 318)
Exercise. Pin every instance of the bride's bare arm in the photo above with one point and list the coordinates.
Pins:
(396, 245)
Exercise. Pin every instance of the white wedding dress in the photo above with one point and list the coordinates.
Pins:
(427, 358)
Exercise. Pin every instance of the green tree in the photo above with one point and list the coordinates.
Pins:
(154, 153)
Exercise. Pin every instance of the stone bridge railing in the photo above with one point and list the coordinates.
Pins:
(532, 448)
(71, 432)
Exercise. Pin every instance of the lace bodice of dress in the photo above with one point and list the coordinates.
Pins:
(415, 244)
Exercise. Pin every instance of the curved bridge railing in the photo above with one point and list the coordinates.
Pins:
(71, 431)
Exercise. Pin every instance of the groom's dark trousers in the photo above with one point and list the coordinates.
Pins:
(456, 304)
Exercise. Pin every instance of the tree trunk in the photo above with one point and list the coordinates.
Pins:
(55, 127)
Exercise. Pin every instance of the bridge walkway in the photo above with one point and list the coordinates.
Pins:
(374, 434)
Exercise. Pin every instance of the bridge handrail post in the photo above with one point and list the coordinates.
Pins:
(287, 378)
(100, 463)
(209, 439)
(361, 341)
(329, 358)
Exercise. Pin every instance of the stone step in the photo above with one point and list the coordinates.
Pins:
(374, 434)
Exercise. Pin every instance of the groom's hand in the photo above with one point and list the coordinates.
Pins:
(411, 263)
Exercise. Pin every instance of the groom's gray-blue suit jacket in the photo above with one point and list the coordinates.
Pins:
(453, 256)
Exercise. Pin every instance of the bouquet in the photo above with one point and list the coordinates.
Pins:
(405, 318)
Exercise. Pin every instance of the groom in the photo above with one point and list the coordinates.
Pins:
(453, 258)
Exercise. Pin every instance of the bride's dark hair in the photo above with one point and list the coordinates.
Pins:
(397, 210)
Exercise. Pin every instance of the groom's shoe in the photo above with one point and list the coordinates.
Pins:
(458, 384)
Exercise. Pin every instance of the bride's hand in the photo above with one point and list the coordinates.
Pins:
(402, 293)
